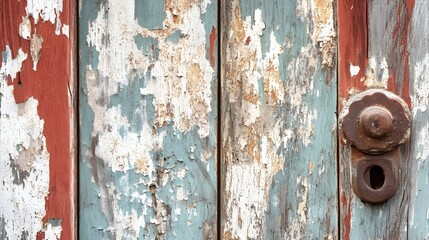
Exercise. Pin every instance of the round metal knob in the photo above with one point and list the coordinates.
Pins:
(375, 121)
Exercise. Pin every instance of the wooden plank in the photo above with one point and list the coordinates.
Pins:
(279, 166)
(381, 45)
(148, 119)
(37, 94)
(418, 47)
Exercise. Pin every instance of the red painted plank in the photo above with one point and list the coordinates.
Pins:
(373, 53)
(51, 83)
(353, 44)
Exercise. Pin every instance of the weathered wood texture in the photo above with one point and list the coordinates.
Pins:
(279, 165)
(36, 120)
(384, 44)
(148, 104)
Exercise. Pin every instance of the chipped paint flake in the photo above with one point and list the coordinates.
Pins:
(53, 229)
(420, 101)
(66, 30)
(21, 134)
(321, 12)
(36, 49)
(354, 70)
(377, 74)
(12, 66)
(45, 10)
(421, 86)
(25, 28)
(302, 205)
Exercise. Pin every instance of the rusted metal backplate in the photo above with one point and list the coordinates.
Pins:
(37, 141)
(148, 101)
(383, 44)
(279, 139)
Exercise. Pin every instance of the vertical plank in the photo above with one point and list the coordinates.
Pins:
(37, 144)
(279, 166)
(374, 52)
(418, 165)
(148, 119)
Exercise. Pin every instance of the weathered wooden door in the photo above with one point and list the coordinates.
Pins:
(204, 119)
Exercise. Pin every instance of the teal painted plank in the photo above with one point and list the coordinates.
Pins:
(279, 142)
(148, 113)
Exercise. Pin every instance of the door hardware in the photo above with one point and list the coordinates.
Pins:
(374, 123)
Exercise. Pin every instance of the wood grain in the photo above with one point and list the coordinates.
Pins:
(148, 101)
(279, 166)
(395, 60)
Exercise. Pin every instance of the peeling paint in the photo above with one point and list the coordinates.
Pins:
(53, 229)
(322, 27)
(36, 126)
(24, 162)
(272, 76)
(421, 86)
(66, 30)
(258, 139)
(12, 66)
(35, 49)
(25, 28)
(377, 74)
(248, 183)
(45, 10)
(354, 70)
(149, 138)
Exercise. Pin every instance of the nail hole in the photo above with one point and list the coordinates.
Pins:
(374, 177)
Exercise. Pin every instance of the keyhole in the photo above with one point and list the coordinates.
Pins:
(375, 177)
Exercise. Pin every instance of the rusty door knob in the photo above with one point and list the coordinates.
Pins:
(375, 121)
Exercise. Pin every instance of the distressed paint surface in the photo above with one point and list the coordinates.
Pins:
(36, 120)
(278, 150)
(148, 119)
(389, 50)
(418, 47)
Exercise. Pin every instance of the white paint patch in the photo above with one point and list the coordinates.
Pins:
(46, 10)
(21, 133)
(12, 65)
(420, 101)
(181, 194)
(204, 5)
(377, 74)
(66, 30)
(354, 70)
(53, 232)
(25, 28)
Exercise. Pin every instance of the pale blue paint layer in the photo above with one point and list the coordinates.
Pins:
(187, 218)
(286, 193)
